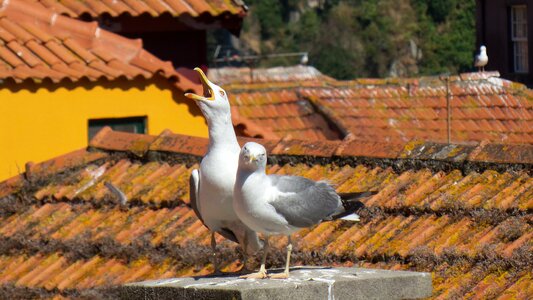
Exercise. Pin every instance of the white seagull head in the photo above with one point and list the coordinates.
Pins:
(482, 49)
(214, 102)
(253, 157)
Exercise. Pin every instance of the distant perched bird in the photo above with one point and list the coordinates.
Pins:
(211, 187)
(481, 59)
(273, 204)
(304, 60)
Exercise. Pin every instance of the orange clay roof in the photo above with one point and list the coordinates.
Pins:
(154, 8)
(462, 212)
(272, 105)
(37, 44)
(301, 103)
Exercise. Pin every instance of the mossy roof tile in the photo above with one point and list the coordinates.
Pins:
(424, 218)
(470, 109)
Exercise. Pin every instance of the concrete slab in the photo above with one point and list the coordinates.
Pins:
(305, 283)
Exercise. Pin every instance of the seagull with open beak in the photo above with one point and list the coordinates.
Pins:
(211, 187)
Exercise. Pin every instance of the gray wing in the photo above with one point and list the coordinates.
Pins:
(194, 187)
(476, 60)
(304, 202)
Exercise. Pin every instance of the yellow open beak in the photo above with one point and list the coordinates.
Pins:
(208, 91)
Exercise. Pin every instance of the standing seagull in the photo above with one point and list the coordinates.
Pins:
(273, 204)
(481, 59)
(211, 187)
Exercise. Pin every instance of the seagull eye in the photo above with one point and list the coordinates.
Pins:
(222, 93)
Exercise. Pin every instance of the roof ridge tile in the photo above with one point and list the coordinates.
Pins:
(178, 143)
(140, 144)
(319, 148)
(146, 61)
(269, 144)
(27, 8)
(11, 185)
(471, 76)
(502, 153)
(129, 48)
(377, 149)
(83, 29)
(108, 139)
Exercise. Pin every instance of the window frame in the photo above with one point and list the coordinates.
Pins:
(139, 123)
(520, 61)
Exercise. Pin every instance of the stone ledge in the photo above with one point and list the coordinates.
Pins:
(305, 283)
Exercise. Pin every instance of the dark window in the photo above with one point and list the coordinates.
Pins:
(169, 46)
(132, 124)
(519, 38)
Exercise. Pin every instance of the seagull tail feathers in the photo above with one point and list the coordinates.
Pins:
(351, 203)
(352, 217)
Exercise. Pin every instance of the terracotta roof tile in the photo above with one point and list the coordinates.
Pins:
(482, 107)
(6, 36)
(121, 141)
(239, 76)
(152, 7)
(503, 153)
(10, 58)
(78, 50)
(284, 113)
(299, 147)
(169, 142)
(36, 48)
(269, 144)
(17, 32)
(470, 227)
(370, 149)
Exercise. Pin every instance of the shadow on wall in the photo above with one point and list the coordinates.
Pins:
(125, 84)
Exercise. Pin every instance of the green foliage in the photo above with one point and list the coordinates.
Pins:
(334, 51)
(356, 38)
(337, 62)
(269, 13)
(437, 10)
(449, 47)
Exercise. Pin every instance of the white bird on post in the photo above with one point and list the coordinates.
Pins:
(211, 187)
(304, 60)
(481, 59)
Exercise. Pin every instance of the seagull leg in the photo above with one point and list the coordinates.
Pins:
(215, 256)
(285, 274)
(244, 268)
(262, 271)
